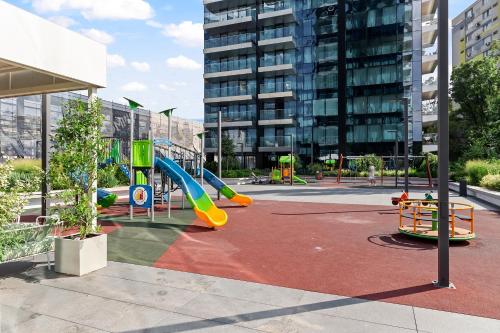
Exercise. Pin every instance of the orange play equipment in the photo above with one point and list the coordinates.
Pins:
(416, 212)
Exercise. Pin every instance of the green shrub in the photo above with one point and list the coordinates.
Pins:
(477, 169)
(106, 177)
(491, 182)
(26, 166)
(364, 163)
(313, 168)
(121, 177)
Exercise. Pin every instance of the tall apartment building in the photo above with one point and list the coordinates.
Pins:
(325, 76)
(475, 30)
(20, 124)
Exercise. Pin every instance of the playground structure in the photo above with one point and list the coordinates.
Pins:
(350, 162)
(225, 190)
(286, 173)
(419, 211)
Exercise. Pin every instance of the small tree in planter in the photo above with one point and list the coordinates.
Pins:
(78, 143)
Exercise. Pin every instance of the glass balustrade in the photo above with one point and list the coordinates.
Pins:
(267, 88)
(276, 141)
(229, 15)
(232, 65)
(272, 6)
(229, 40)
(277, 33)
(230, 116)
(229, 91)
(276, 114)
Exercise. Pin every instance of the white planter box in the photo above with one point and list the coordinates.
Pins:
(80, 257)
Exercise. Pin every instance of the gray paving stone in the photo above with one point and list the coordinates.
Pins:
(313, 322)
(440, 321)
(45, 324)
(10, 317)
(141, 293)
(359, 309)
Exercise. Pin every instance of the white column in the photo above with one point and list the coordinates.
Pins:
(92, 96)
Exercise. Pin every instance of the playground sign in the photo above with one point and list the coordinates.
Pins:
(141, 196)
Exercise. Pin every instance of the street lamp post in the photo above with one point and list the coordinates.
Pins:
(168, 114)
(443, 280)
(406, 143)
(395, 154)
(219, 148)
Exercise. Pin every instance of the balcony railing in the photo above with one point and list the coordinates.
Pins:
(274, 6)
(238, 144)
(229, 40)
(276, 141)
(276, 87)
(287, 59)
(277, 33)
(233, 65)
(229, 15)
(276, 114)
(229, 91)
(230, 117)
(428, 20)
(327, 140)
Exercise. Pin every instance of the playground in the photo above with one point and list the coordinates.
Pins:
(341, 241)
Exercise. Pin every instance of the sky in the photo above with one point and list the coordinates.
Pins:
(155, 47)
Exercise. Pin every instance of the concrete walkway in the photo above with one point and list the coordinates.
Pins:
(129, 298)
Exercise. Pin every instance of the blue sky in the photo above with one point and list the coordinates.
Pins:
(155, 47)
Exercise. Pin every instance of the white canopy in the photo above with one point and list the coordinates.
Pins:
(38, 56)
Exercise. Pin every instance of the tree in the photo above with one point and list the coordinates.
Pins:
(474, 125)
(228, 151)
(78, 143)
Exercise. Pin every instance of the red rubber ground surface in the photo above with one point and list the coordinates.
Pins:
(350, 250)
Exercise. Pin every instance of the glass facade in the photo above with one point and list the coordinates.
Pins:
(329, 76)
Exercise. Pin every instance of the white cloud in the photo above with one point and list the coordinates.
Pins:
(185, 33)
(183, 62)
(134, 87)
(141, 66)
(116, 60)
(166, 87)
(100, 9)
(63, 21)
(98, 35)
(154, 24)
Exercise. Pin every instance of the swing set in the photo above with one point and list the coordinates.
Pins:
(389, 161)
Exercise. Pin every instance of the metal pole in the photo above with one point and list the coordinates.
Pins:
(202, 163)
(151, 137)
(132, 173)
(92, 98)
(184, 168)
(169, 180)
(407, 148)
(396, 156)
(443, 148)
(219, 148)
(291, 161)
(45, 151)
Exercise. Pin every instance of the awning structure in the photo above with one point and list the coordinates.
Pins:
(38, 56)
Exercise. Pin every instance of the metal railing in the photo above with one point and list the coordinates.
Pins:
(430, 138)
(229, 40)
(276, 114)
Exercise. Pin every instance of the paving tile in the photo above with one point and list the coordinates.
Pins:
(359, 309)
(45, 324)
(141, 293)
(312, 322)
(440, 321)
(232, 311)
(11, 317)
(256, 292)
(190, 281)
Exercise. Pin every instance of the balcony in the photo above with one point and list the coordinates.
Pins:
(246, 145)
(327, 140)
(229, 94)
(429, 142)
(429, 62)
(277, 39)
(215, 5)
(229, 19)
(429, 115)
(223, 70)
(230, 45)
(277, 65)
(429, 30)
(429, 89)
(230, 119)
(275, 144)
(429, 7)
(278, 117)
(276, 12)
(277, 90)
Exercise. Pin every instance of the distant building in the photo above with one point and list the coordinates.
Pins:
(475, 30)
(20, 124)
(324, 76)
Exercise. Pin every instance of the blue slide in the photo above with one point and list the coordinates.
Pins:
(202, 205)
